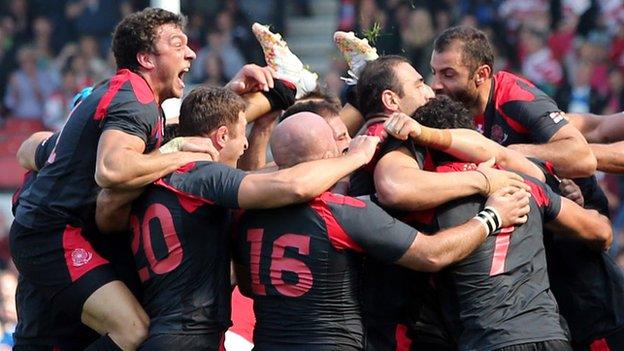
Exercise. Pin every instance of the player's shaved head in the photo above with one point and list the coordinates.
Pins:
(304, 136)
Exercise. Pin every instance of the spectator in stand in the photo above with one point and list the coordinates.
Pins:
(212, 71)
(417, 38)
(28, 87)
(18, 12)
(538, 62)
(616, 52)
(90, 52)
(42, 41)
(370, 16)
(95, 17)
(615, 97)
(220, 45)
(58, 105)
(578, 95)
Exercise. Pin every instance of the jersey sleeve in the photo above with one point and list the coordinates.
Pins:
(417, 151)
(540, 116)
(128, 115)
(363, 226)
(211, 181)
(548, 201)
(44, 149)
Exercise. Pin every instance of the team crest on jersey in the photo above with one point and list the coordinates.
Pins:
(498, 135)
(557, 116)
(80, 257)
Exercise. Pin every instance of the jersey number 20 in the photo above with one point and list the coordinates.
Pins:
(141, 232)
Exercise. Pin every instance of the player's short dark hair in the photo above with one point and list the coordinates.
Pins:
(377, 76)
(321, 94)
(171, 132)
(476, 49)
(206, 108)
(323, 108)
(138, 32)
(442, 112)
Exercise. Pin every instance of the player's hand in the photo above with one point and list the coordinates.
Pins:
(512, 204)
(572, 191)
(402, 126)
(496, 179)
(200, 145)
(363, 146)
(252, 78)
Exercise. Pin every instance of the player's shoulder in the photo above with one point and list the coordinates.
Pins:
(129, 88)
(510, 87)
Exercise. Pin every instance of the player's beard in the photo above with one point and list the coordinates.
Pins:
(465, 97)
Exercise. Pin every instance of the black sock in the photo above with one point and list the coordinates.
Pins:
(282, 95)
(104, 343)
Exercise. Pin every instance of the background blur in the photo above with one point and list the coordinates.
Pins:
(49, 50)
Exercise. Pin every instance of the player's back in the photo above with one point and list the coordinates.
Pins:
(499, 295)
(65, 189)
(305, 291)
(588, 284)
(180, 246)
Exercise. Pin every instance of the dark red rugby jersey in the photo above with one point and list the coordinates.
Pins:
(499, 295)
(65, 189)
(518, 112)
(302, 263)
(181, 248)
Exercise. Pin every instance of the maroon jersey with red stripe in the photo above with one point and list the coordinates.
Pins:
(181, 248)
(500, 295)
(302, 264)
(518, 112)
(65, 189)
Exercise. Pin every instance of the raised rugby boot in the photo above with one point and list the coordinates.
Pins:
(287, 65)
(356, 52)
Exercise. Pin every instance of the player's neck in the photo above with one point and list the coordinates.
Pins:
(482, 101)
(152, 85)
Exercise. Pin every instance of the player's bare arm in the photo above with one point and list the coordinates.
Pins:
(401, 184)
(598, 129)
(464, 144)
(255, 156)
(610, 157)
(433, 252)
(121, 163)
(567, 150)
(305, 180)
(113, 207)
(27, 150)
(585, 224)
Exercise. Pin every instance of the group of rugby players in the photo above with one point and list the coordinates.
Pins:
(444, 225)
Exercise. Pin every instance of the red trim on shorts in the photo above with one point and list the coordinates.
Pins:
(403, 342)
(338, 237)
(501, 248)
(599, 345)
(80, 257)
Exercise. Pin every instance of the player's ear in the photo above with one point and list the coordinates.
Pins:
(390, 100)
(482, 74)
(146, 60)
(221, 136)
